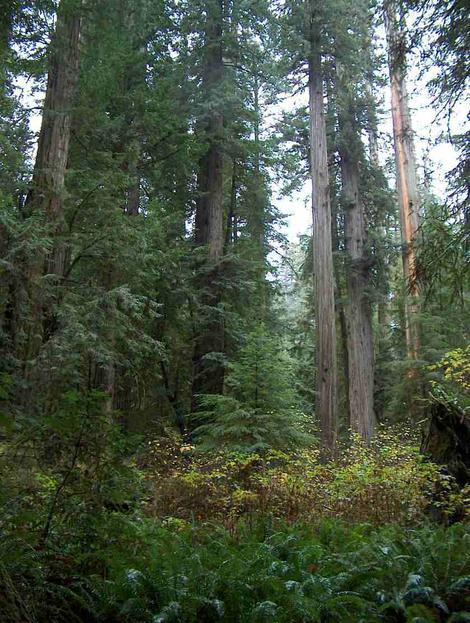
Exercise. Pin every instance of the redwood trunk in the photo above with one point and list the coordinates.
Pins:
(407, 185)
(209, 226)
(326, 368)
(47, 192)
(46, 196)
(208, 372)
(358, 309)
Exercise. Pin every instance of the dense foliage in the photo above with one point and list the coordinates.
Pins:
(202, 418)
(169, 574)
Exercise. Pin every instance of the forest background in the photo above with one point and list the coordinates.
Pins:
(201, 417)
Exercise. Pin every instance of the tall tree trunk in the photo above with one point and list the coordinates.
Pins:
(208, 373)
(47, 192)
(209, 209)
(326, 381)
(6, 17)
(257, 214)
(8, 315)
(358, 265)
(407, 185)
(46, 196)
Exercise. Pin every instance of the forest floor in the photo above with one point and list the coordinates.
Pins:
(242, 538)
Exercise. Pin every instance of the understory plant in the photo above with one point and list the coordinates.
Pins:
(386, 482)
(259, 409)
(326, 572)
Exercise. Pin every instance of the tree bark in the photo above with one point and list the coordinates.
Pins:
(208, 371)
(407, 184)
(358, 265)
(46, 196)
(47, 192)
(326, 381)
(209, 224)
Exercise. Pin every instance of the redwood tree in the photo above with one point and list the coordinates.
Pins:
(326, 367)
(405, 161)
(209, 218)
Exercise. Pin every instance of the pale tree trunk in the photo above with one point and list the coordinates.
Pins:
(358, 266)
(46, 196)
(208, 372)
(407, 184)
(326, 367)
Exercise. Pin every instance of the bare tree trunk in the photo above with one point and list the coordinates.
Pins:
(407, 185)
(47, 192)
(358, 308)
(208, 372)
(358, 268)
(209, 224)
(46, 196)
(326, 381)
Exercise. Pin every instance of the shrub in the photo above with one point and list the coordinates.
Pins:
(388, 482)
(260, 408)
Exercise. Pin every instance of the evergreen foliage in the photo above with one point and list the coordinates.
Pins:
(150, 300)
(259, 408)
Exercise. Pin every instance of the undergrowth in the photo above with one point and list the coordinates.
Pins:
(91, 531)
(141, 570)
(389, 481)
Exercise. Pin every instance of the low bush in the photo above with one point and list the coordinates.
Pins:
(387, 482)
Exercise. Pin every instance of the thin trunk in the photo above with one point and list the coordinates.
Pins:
(326, 382)
(407, 185)
(257, 214)
(230, 232)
